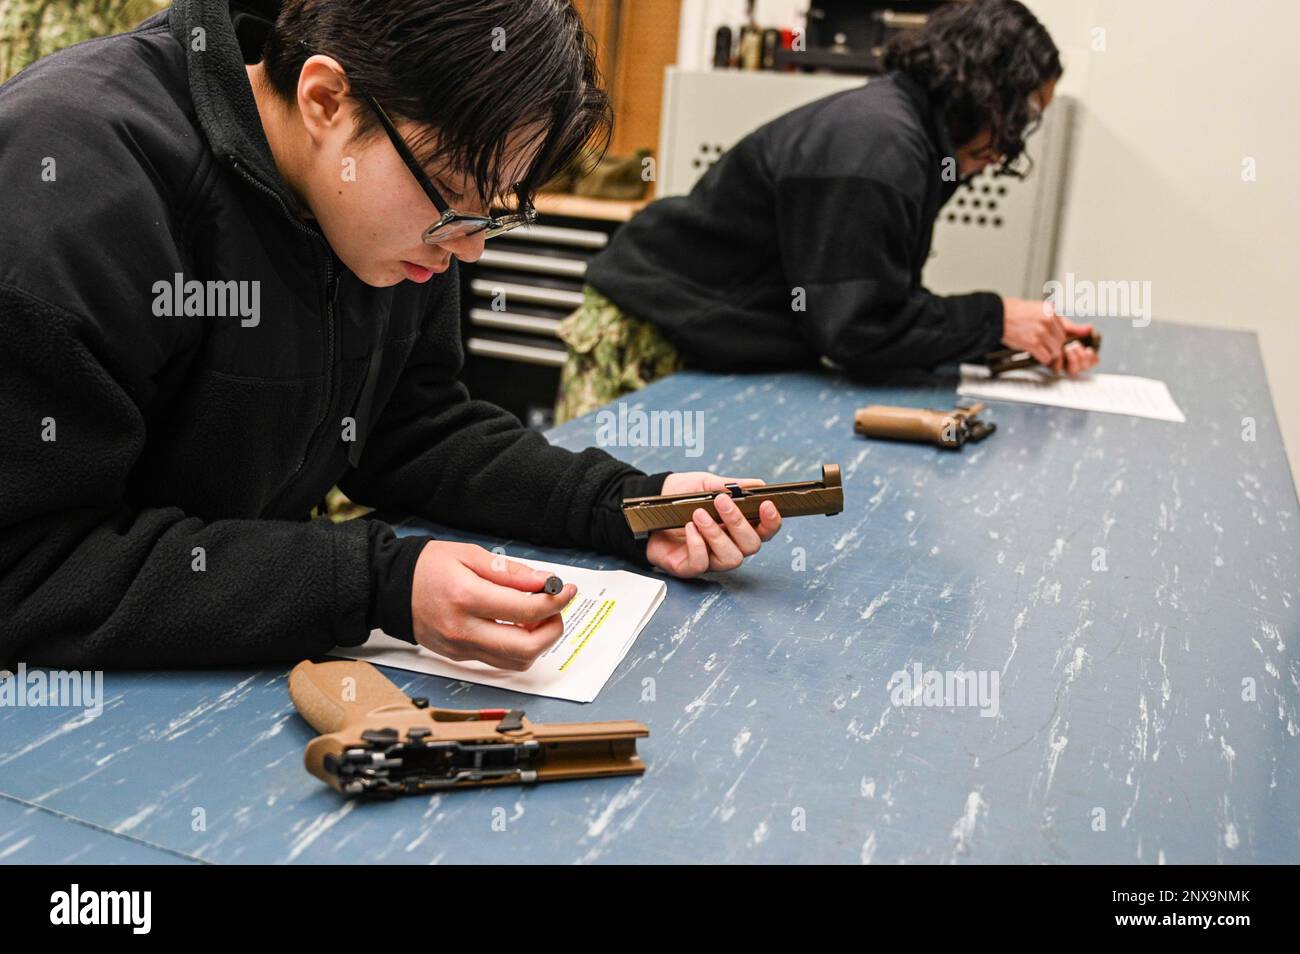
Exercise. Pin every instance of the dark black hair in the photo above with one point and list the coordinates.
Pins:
(433, 62)
(980, 61)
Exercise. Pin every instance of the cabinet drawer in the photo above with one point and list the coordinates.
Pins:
(534, 294)
(482, 346)
(560, 235)
(514, 321)
(507, 259)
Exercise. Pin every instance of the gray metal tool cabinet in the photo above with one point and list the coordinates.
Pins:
(514, 297)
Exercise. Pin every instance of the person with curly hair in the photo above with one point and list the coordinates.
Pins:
(806, 240)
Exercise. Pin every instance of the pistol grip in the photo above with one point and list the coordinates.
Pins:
(335, 694)
(900, 423)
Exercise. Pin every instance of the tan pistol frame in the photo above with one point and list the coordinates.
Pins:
(799, 499)
(949, 429)
(378, 741)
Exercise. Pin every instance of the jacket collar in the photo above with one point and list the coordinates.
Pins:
(932, 116)
(223, 99)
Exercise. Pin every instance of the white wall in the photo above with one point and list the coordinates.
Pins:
(1183, 92)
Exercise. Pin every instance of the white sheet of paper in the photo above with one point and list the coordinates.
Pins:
(600, 625)
(1108, 393)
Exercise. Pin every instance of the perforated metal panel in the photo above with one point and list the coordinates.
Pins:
(708, 111)
(1002, 240)
(998, 233)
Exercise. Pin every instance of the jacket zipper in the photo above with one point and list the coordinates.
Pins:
(331, 293)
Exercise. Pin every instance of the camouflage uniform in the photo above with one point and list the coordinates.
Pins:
(610, 354)
(30, 29)
(338, 507)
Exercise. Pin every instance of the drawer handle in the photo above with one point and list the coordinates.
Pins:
(552, 234)
(568, 267)
(487, 348)
(530, 293)
(508, 322)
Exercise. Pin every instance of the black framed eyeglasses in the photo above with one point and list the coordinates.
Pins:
(453, 225)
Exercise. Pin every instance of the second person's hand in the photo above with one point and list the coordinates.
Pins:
(1035, 327)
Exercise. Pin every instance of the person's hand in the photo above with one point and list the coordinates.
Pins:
(1078, 358)
(459, 593)
(704, 544)
(1035, 327)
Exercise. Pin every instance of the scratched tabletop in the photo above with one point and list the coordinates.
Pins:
(1124, 590)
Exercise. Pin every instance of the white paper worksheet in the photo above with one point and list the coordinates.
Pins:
(600, 625)
(1108, 393)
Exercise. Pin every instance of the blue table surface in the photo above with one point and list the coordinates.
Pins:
(31, 834)
(1126, 728)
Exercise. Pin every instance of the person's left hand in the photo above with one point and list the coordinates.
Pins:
(704, 544)
(1075, 358)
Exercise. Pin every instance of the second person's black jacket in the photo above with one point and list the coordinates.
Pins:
(807, 240)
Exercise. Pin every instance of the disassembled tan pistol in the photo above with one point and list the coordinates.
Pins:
(377, 741)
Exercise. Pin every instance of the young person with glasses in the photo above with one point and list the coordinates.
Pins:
(807, 239)
(218, 299)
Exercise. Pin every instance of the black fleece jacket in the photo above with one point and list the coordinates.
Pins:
(807, 240)
(156, 472)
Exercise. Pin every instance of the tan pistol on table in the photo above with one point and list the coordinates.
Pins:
(378, 741)
(942, 428)
(799, 499)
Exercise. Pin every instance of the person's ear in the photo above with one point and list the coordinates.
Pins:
(322, 97)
